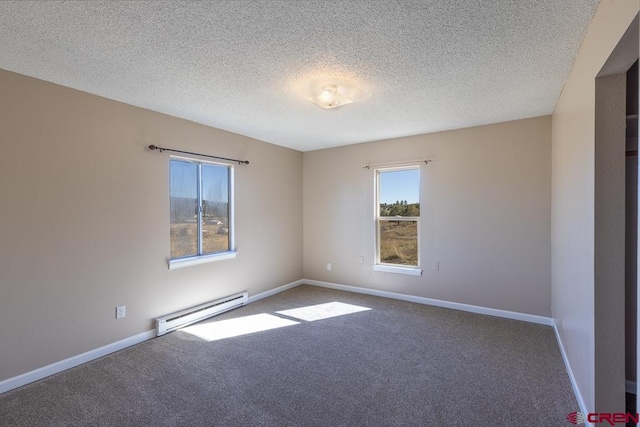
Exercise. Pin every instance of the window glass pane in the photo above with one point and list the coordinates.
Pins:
(215, 208)
(399, 192)
(398, 242)
(184, 208)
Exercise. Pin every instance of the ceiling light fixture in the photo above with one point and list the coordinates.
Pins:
(329, 96)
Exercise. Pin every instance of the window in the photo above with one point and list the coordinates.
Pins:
(398, 220)
(201, 212)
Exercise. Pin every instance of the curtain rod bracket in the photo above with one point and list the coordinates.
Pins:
(162, 149)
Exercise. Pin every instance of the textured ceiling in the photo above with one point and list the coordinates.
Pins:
(244, 66)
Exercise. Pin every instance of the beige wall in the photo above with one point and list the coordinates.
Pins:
(609, 249)
(573, 195)
(485, 202)
(85, 221)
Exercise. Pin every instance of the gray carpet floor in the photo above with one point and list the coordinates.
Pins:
(395, 364)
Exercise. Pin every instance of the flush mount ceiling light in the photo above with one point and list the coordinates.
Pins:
(329, 95)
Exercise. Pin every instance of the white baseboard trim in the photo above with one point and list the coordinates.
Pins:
(271, 292)
(40, 373)
(572, 378)
(72, 362)
(63, 365)
(532, 318)
(630, 386)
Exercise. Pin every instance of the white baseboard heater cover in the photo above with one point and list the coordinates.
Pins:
(177, 320)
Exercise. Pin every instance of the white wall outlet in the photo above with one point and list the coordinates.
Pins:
(361, 259)
(120, 312)
(328, 266)
(436, 266)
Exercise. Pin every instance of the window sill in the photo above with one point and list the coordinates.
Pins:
(412, 271)
(186, 262)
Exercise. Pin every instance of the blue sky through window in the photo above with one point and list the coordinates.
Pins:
(400, 185)
(184, 178)
(215, 185)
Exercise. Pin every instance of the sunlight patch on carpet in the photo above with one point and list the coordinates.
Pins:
(323, 311)
(214, 331)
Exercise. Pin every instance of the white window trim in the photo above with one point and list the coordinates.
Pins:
(176, 263)
(393, 268)
(390, 268)
(201, 259)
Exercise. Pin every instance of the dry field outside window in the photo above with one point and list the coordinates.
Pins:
(184, 238)
(399, 242)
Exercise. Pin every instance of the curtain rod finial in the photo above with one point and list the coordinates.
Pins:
(152, 147)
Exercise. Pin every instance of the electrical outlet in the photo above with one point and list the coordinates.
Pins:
(120, 312)
(361, 259)
(436, 266)
(328, 266)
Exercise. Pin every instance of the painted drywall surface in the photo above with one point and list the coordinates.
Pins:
(609, 250)
(631, 273)
(485, 215)
(573, 195)
(85, 221)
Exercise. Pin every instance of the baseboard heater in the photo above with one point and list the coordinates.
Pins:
(191, 315)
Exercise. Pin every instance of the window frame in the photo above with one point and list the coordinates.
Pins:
(200, 258)
(388, 267)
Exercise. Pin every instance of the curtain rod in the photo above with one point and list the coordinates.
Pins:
(161, 149)
(393, 164)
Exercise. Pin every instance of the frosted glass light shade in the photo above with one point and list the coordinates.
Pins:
(329, 96)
